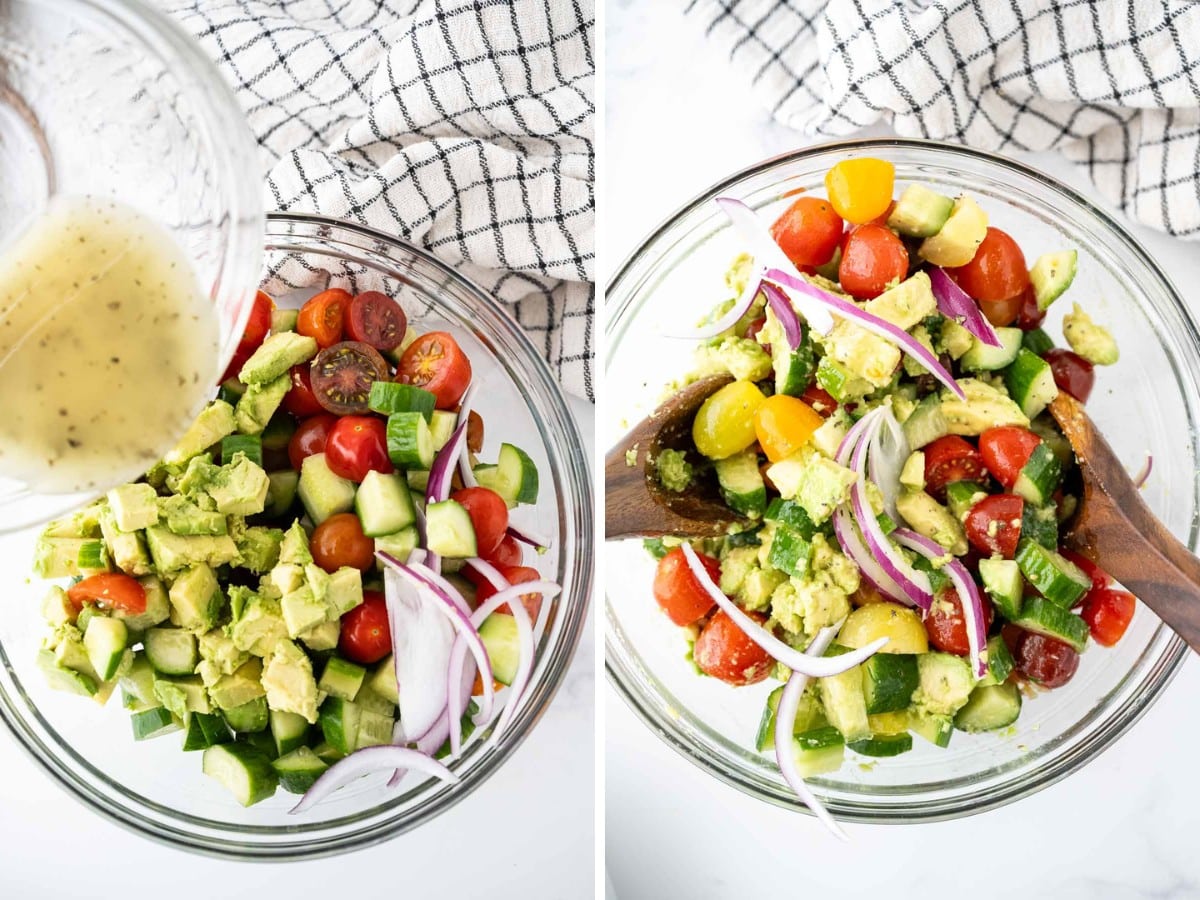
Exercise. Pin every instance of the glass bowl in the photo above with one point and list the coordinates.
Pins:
(111, 98)
(154, 788)
(1150, 401)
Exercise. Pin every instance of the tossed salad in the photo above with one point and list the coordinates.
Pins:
(885, 443)
(317, 580)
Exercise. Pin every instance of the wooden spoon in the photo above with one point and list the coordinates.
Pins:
(1114, 527)
(635, 504)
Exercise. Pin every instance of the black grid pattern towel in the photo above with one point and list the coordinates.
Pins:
(464, 126)
(1114, 84)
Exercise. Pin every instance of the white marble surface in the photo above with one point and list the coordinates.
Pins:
(527, 833)
(1124, 827)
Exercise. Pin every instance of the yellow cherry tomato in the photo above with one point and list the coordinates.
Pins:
(860, 189)
(891, 620)
(784, 424)
(724, 424)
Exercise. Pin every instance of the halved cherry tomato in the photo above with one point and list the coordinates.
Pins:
(1005, 451)
(365, 635)
(322, 318)
(1029, 316)
(808, 231)
(1072, 373)
(860, 189)
(1048, 661)
(996, 272)
(1001, 313)
(949, 459)
(507, 553)
(300, 400)
(820, 400)
(257, 327)
(872, 258)
(357, 445)
(376, 319)
(1108, 613)
(339, 541)
(111, 589)
(723, 651)
(342, 376)
(309, 438)
(514, 575)
(993, 525)
(489, 515)
(434, 361)
(677, 590)
(1100, 578)
(784, 424)
(946, 626)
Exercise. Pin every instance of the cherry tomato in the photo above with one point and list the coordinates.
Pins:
(1108, 613)
(513, 575)
(339, 541)
(357, 445)
(950, 459)
(820, 400)
(1029, 316)
(507, 553)
(1001, 313)
(342, 376)
(1005, 451)
(309, 438)
(258, 325)
(784, 424)
(1100, 578)
(489, 515)
(808, 231)
(997, 271)
(1011, 634)
(724, 651)
(993, 525)
(679, 592)
(1048, 661)
(474, 432)
(300, 400)
(366, 637)
(1072, 373)
(112, 589)
(872, 258)
(376, 319)
(860, 189)
(946, 626)
(882, 218)
(322, 317)
(435, 362)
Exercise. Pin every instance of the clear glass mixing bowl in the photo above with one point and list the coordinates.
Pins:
(111, 98)
(153, 787)
(1150, 401)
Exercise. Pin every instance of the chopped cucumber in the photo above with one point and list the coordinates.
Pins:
(323, 493)
(1040, 475)
(819, 751)
(389, 397)
(883, 745)
(441, 428)
(449, 531)
(1040, 524)
(889, 680)
(794, 369)
(936, 729)
(248, 717)
(984, 358)
(845, 705)
(920, 212)
(499, 635)
(1051, 275)
(400, 544)
(278, 432)
(409, 441)
(289, 730)
(790, 551)
(961, 496)
(989, 707)
(172, 651)
(243, 770)
(249, 444)
(1030, 383)
(384, 504)
(742, 484)
(152, 723)
(281, 493)
(383, 680)
(809, 715)
(1037, 341)
(791, 514)
(1004, 585)
(515, 477)
(374, 728)
(1000, 661)
(93, 557)
(61, 678)
(1057, 578)
(284, 320)
(1043, 617)
(339, 720)
(341, 678)
(299, 770)
(105, 641)
(205, 730)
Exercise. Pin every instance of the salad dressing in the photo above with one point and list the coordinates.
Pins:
(108, 346)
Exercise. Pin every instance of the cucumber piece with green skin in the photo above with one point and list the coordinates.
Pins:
(1004, 585)
(889, 680)
(339, 720)
(133, 703)
(171, 651)
(790, 551)
(989, 707)
(1051, 620)
(1046, 428)
(63, 679)
(819, 751)
(1030, 383)
(794, 369)
(105, 641)
(299, 770)
(499, 635)
(400, 544)
(844, 703)
(281, 493)
(205, 730)
(840, 383)
(249, 717)
(93, 557)
(389, 397)
(742, 484)
(245, 771)
(326, 753)
(284, 320)
(936, 729)
(138, 680)
(374, 729)
(384, 504)
(260, 741)
(418, 479)
(1051, 275)
(278, 432)
(288, 730)
(370, 701)
(1039, 477)
(515, 477)
(231, 391)
(883, 745)
(409, 441)
(1040, 524)
(1000, 661)
(152, 723)
(809, 716)
(961, 496)
(1057, 578)
(323, 493)
(441, 428)
(449, 531)
(920, 212)
(1037, 341)
(341, 678)
(984, 358)
(383, 680)
(250, 444)
(926, 423)
(791, 514)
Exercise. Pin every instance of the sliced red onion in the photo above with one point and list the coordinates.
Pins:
(781, 306)
(955, 303)
(768, 254)
(785, 723)
(528, 536)
(888, 453)
(364, 762)
(430, 742)
(871, 323)
(731, 317)
(488, 571)
(1143, 476)
(441, 473)
(851, 541)
(422, 637)
(789, 656)
(964, 584)
(417, 557)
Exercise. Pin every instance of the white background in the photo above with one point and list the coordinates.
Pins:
(1124, 827)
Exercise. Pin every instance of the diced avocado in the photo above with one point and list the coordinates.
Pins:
(828, 438)
(906, 304)
(284, 320)
(63, 679)
(674, 472)
(128, 548)
(223, 656)
(289, 683)
(840, 383)
(743, 358)
(1051, 275)
(183, 695)
(912, 474)
(286, 577)
(83, 523)
(953, 339)
(317, 580)
(57, 557)
(172, 552)
(1093, 342)
(258, 548)
(802, 605)
(861, 353)
(955, 244)
(57, 609)
(241, 686)
(260, 626)
(985, 407)
(920, 212)
(742, 578)
(275, 356)
(818, 484)
(945, 683)
(301, 611)
(259, 403)
(322, 636)
(215, 422)
(294, 548)
(182, 516)
(196, 599)
(928, 517)
(345, 591)
(239, 488)
(133, 506)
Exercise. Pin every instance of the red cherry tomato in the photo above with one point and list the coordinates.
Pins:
(946, 626)
(489, 515)
(1005, 451)
(724, 651)
(436, 363)
(808, 231)
(1108, 613)
(1011, 634)
(339, 541)
(323, 316)
(111, 589)
(872, 258)
(258, 325)
(997, 271)
(1001, 313)
(1072, 373)
(514, 575)
(507, 553)
(365, 636)
(1100, 578)
(309, 438)
(679, 592)
(820, 400)
(1048, 661)
(993, 525)
(950, 459)
(357, 445)
(882, 218)
(300, 400)
(1029, 316)
(376, 319)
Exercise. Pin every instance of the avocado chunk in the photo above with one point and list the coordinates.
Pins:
(294, 548)
(345, 591)
(133, 507)
(301, 611)
(240, 488)
(219, 656)
(743, 358)
(317, 580)
(928, 517)
(286, 577)
(822, 596)
(83, 523)
(275, 356)
(172, 552)
(955, 244)
(196, 599)
(57, 557)
(258, 547)
(215, 422)
(240, 687)
(1093, 342)
(985, 407)
(288, 680)
(258, 404)
(182, 516)
(675, 473)
(127, 548)
(818, 484)
(259, 627)
(183, 695)
(323, 636)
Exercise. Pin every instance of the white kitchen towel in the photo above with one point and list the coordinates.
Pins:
(464, 126)
(1113, 84)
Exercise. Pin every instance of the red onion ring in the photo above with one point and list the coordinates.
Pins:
(955, 303)
(368, 760)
